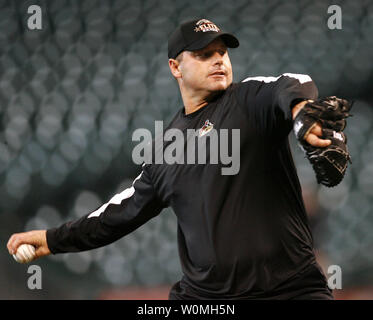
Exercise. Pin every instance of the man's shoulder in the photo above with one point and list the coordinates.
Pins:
(175, 119)
(243, 88)
(247, 83)
(267, 79)
(253, 83)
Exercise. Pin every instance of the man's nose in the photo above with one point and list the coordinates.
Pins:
(218, 58)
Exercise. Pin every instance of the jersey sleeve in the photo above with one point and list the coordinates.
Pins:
(122, 214)
(269, 100)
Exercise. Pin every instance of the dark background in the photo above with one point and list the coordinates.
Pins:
(72, 93)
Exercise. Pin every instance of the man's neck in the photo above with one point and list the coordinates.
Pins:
(193, 108)
(192, 103)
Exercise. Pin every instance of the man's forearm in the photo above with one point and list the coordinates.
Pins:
(82, 234)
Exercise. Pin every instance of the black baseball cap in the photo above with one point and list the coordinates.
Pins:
(197, 34)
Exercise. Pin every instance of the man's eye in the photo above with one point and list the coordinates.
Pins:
(205, 55)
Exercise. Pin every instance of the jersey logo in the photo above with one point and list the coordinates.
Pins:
(205, 128)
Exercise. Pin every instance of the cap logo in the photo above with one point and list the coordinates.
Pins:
(205, 26)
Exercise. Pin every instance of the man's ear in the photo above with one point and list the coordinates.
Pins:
(174, 67)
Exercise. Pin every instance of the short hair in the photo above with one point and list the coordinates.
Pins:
(179, 57)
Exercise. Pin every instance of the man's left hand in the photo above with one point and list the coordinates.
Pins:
(313, 137)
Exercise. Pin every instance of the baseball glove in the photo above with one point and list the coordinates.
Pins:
(329, 163)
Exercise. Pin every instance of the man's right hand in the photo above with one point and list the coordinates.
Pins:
(36, 238)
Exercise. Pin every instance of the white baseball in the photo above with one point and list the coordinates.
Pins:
(25, 253)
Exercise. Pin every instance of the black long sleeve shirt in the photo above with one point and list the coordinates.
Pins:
(239, 236)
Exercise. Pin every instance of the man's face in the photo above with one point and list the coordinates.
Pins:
(208, 69)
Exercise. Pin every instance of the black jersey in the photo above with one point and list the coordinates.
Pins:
(243, 235)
